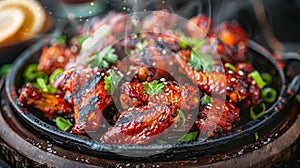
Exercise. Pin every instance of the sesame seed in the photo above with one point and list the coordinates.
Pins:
(162, 79)
(241, 73)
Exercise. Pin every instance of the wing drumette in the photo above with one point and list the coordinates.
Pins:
(84, 90)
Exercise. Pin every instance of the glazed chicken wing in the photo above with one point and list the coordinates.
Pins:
(84, 90)
(140, 125)
(49, 104)
(217, 117)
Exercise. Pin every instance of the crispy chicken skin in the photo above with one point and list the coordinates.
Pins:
(145, 116)
(84, 90)
(217, 117)
(57, 56)
(216, 83)
(199, 26)
(140, 125)
(49, 104)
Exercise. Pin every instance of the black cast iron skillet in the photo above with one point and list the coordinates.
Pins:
(265, 125)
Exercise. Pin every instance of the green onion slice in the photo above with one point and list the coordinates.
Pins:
(189, 136)
(269, 95)
(256, 136)
(267, 77)
(41, 83)
(30, 69)
(52, 90)
(182, 116)
(230, 66)
(31, 73)
(253, 114)
(63, 124)
(5, 69)
(55, 75)
(255, 75)
(298, 98)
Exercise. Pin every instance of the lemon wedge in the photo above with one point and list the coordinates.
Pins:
(12, 20)
(35, 16)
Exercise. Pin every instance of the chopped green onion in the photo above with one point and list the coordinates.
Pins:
(62, 39)
(189, 137)
(182, 116)
(183, 44)
(255, 75)
(230, 66)
(256, 136)
(269, 95)
(52, 90)
(30, 69)
(267, 77)
(41, 83)
(198, 44)
(31, 73)
(298, 98)
(55, 75)
(63, 124)
(4, 69)
(81, 39)
(254, 115)
(160, 141)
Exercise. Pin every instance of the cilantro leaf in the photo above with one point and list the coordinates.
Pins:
(206, 99)
(201, 62)
(112, 81)
(104, 58)
(194, 43)
(189, 137)
(153, 88)
(138, 47)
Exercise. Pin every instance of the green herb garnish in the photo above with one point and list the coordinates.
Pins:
(255, 75)
(201, 62)
(81, 39)
(63, 124)
(138, 47)
(5, 69)
(256, 136)
(62, 39)
(298, 98)
(194, 43)
(269, 95)
(206, 99)
(112, 82)
(104, 58)
(42, 84)
(55, 75)
(182, 117)
(230, 66)
(189, 137)
(261, 108)
(267, 77)
(153, 88)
